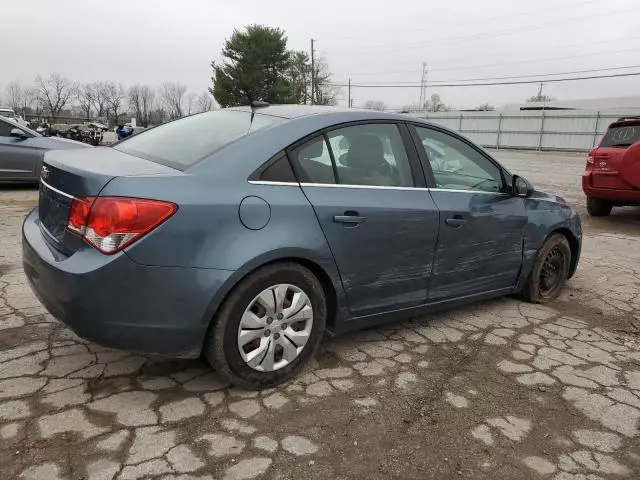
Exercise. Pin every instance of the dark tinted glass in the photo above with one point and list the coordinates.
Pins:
(622, 135)
(279, 171)
(313, 162)
(182, 143)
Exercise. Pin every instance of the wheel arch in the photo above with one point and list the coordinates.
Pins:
(574, 245)
(331, 285)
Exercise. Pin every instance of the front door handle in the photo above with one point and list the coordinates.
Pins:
(456, 221)
(349, 217)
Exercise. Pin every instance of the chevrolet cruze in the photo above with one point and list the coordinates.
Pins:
(245, 234)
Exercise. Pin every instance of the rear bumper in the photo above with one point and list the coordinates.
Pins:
(622, 196)
(115, 302)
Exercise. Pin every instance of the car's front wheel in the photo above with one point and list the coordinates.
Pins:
(598, 208)
(269, 327)
(549, 272)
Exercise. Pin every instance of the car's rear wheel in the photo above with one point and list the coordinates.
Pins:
(549, 272)
(598, 208)
(269, 327)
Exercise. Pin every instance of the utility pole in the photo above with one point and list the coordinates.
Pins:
(349, 96)
(423, 86)
(313, 74)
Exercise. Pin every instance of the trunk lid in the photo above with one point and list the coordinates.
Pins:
(69, 174)
(609, 157)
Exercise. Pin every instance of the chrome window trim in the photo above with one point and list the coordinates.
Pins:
(454, 190)
(56, 190)
(269, 182)
(11, 170)
(367, 187)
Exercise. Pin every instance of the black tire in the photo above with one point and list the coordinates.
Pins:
(221, 343)
(598, 208)
(538, 289)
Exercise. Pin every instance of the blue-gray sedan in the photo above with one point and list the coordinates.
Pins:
(246, 235)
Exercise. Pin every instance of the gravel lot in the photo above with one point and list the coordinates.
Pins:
(496, 390)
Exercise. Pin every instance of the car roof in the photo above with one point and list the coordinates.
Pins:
(297, 111)
(297, 123)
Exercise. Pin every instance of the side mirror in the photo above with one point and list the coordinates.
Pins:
(521, 187)
(17, 133)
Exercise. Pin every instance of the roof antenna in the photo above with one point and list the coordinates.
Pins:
(255, 104)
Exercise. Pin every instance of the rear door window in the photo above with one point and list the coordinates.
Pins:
(623, 135)
(182, 143)
(371, 154)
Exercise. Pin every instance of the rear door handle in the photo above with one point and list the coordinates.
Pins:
(456, 222)
(349, 217)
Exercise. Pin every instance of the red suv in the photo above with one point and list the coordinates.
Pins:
(612, 176)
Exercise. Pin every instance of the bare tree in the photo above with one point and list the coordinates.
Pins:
(55, 92)
(30, 98)
(435, 104)
(147, 95)
(15, 95)
(204, 103)
(323, 92)
(158, 116)
(172, 94)
(114, 97)
(374, 105)
(190, 103)
(99, 96)
(141, 102)
(85, 98)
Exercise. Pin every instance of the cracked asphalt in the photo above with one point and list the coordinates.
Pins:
(496, 390)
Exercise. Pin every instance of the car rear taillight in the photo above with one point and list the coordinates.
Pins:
(591, 155)
(109, 224)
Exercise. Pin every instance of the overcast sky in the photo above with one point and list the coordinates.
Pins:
(151, 41)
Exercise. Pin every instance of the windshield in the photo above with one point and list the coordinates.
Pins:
(622, 135)
(8, 113)
(182, 143)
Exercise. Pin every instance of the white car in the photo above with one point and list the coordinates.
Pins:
(11, 114)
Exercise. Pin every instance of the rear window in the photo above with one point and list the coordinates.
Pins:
(181, 143)
(622, 135)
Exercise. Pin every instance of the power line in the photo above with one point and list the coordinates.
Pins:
(435, 82)
(482, 35)
(528, 61)
(520, 82)
(491, 19)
